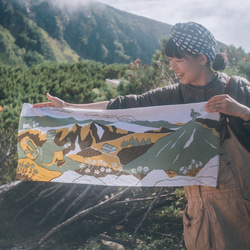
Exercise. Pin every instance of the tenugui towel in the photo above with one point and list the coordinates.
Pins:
(173, 145)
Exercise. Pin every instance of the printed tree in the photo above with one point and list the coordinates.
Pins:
(124, 144)
(131, 141)
(143, 142)
(136, 142)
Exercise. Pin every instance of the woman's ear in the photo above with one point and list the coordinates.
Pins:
(203, 59)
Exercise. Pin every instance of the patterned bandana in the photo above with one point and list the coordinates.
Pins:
(194, 38)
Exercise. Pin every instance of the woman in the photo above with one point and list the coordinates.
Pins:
(215, 218)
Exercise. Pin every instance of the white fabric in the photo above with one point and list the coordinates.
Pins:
(175, 145)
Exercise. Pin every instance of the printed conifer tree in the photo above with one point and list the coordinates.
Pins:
(136, 143)
(124, 144)
(131, 141)
(142, 142)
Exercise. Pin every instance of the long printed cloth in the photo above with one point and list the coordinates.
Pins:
(175, 145)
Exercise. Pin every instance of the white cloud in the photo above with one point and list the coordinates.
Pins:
(228, 20)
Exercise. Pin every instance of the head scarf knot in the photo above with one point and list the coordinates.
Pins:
(194, 38)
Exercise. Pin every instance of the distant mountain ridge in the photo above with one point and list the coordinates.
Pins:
(37, 31)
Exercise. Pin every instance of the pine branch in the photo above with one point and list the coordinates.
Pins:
(11, 151)
(57, 204)
(45, 193)
(27, 194)
(146, 214)
(82, 214)
(166, 196)
(8, 187)
(76, 201)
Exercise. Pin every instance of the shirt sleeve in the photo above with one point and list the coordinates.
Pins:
(160, 96)
(239, 89)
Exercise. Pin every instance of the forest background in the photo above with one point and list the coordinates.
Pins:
(70, 53)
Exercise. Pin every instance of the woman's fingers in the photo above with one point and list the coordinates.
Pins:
(54, 102)
(49, 97)
(41, 104)
(225, 104)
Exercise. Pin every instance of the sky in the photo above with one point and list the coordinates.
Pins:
(228, 20)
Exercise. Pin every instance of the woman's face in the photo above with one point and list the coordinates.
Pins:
(188, 69)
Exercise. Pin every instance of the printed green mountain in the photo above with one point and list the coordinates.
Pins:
(157, 124)
(179, 153)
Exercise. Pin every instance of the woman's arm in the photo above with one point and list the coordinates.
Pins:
(56, 102)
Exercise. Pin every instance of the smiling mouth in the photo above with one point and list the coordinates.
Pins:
(179, 74)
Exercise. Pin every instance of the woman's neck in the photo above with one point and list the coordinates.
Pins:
(205, 78)
(209, 76)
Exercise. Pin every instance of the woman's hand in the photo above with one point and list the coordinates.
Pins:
(227, 105)
(54, 102)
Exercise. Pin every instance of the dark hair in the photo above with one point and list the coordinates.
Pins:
(220, 62)
(172, 50)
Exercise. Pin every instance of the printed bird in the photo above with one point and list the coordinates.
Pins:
(194, 114)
